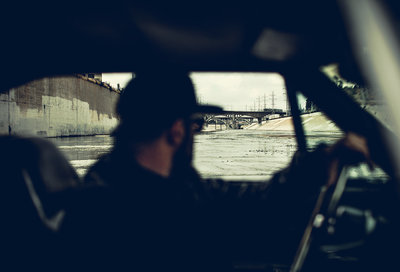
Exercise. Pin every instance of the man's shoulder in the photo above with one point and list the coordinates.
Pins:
(115, 169)
(103, 170)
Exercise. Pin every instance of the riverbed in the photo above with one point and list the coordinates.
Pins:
(228, 154)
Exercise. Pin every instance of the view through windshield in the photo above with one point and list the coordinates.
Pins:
(252, 140)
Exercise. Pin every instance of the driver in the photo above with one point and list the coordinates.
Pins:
(146, 207)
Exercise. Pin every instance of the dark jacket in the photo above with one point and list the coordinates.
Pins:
(127, 216)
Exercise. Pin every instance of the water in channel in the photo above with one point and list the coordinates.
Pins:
(228, 154)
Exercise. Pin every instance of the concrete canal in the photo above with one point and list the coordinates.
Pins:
(228, 154)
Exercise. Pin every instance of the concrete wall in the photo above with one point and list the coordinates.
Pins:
(59, 106)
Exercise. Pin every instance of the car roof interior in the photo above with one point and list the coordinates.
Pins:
(48, 39)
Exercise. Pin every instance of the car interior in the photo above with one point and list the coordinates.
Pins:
(354, 225)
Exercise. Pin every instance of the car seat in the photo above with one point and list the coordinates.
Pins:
(36, 186)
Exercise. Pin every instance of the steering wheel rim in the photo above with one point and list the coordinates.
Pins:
(324, 209)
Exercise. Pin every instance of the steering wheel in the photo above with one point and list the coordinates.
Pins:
(324, 212)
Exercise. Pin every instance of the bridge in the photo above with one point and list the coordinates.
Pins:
(235, 119)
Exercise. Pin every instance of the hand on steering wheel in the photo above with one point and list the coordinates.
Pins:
(351, 149)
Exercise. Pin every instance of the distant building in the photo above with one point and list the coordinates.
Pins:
(97, 76)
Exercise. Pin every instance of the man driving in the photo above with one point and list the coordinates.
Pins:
(146, 207)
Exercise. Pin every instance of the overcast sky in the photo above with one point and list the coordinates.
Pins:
(117, 78)
(240, 91)
(232, 91)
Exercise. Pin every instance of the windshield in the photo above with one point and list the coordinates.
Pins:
(251, 140)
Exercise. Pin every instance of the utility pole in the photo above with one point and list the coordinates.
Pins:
(273, 102)
(265, 102)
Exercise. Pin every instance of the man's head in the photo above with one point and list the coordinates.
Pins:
(159, 108)
(152, 101)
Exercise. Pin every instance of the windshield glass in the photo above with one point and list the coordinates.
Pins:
(251, 140)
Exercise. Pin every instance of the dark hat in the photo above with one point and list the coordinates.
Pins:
(160, 95)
